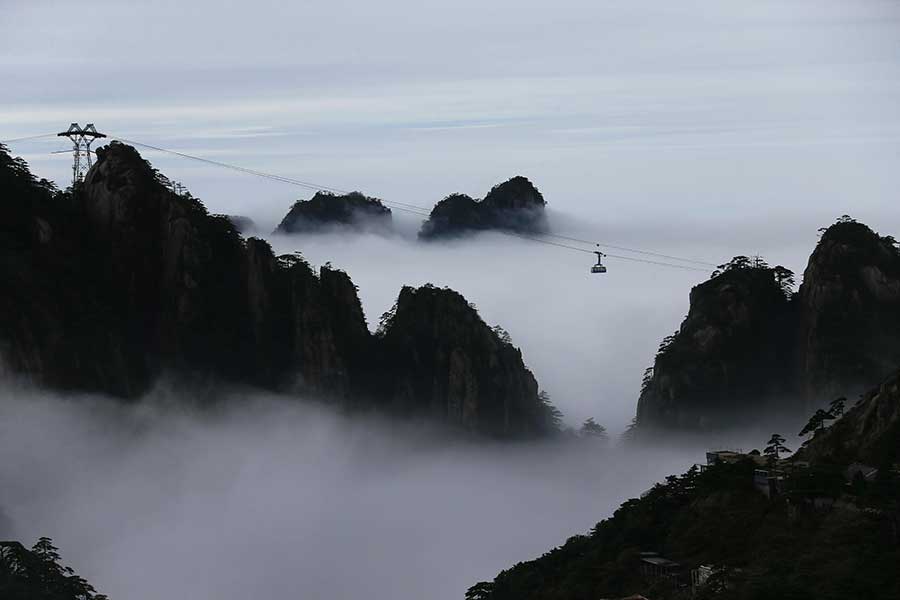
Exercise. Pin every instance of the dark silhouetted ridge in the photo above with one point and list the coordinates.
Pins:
(514, 205)
(750, 347)
(108, 287)
(325, 209)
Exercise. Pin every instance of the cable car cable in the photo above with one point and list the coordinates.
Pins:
(26, 138)
(423, 211)
(635, 250)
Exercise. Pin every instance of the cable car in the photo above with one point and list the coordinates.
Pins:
(599, 267)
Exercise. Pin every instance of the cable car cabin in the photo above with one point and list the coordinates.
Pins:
(599, 267)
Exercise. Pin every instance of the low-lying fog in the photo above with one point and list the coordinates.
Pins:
(587, 338)
(277, 498)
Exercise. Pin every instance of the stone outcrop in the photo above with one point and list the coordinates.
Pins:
(53, 319)
(849, 306)
(514, 205)
(749, 347)
(729, 358)
(106, 288)
(445, 362)
(326, 209)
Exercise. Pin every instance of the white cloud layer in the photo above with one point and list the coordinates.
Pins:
(271, 497)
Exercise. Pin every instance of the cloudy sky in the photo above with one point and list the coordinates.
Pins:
(703, 129)
(702, 112)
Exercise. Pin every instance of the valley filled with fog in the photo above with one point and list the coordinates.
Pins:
(286, 496)
(587, 338)
(274, 497)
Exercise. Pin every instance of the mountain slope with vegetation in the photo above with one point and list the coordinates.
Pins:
(106, 287)
(37, 574)
(819, 525)
(868, 432)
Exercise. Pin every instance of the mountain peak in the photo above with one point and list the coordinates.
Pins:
(514, 205)
(354, 209)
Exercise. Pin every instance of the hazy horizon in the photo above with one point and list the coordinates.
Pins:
(635, 117)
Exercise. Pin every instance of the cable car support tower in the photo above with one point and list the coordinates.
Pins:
(81, 148)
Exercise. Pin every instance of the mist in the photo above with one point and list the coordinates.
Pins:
(587, 338)
(269, 496)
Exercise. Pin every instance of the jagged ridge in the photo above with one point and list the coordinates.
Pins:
(107, 287)
(513, 205)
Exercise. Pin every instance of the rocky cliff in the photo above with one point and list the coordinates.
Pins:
(326, 209)
(514, 205)
(55, 324)
(849, 307)
(730, 356)
(444, 361)
(105, 288)
(748, 345)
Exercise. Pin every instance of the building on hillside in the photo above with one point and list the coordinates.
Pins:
(700, 576)
(714, 457)
(865, 472)
(768, 483)
(654, 566)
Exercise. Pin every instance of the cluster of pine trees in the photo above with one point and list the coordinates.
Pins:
(38, 574)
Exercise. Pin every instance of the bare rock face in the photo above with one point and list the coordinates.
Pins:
(52, 312)
(332, 340)
(448, 364)
(849, 326)
(729, 358)
(514, 205)
(326, 209)
(159, 257)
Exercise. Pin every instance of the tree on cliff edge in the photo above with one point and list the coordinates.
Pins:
(775, 448)
(552, 415)
(480, 591)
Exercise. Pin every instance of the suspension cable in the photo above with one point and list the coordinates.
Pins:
(425, 212)
(26, 138)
